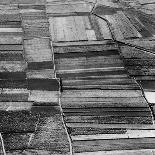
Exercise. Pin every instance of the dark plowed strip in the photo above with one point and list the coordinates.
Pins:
(140, 62)
(13, 23)
(13, 84)
(106, 109)
(36, 7)
(40, 65)
(83, 48)
(43, 84)
(148, 84)
(10, 26)
(86, 54)
(103, 87)
(109, 113)
(13, 75)
(11, 57)
(92, 131)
